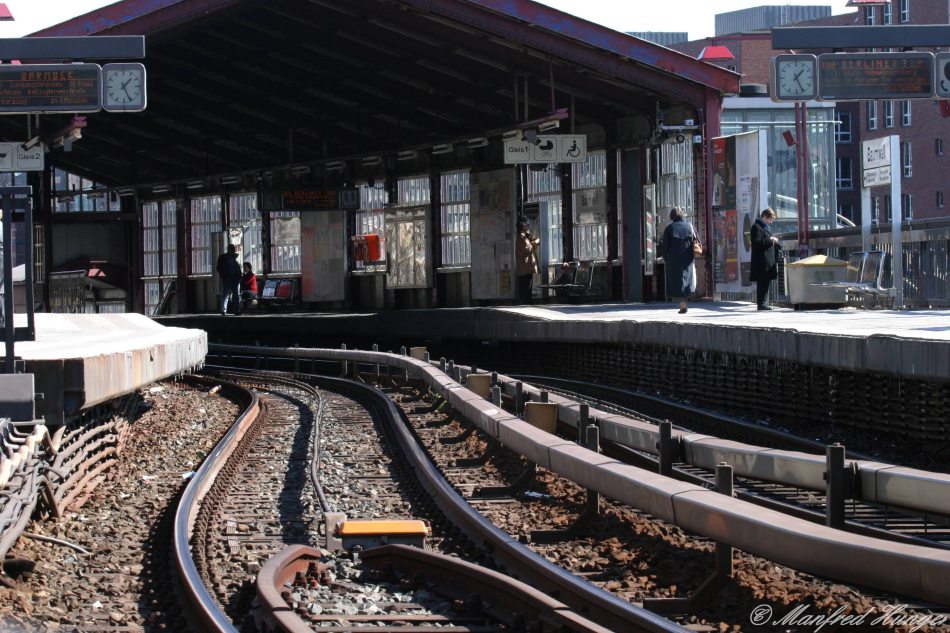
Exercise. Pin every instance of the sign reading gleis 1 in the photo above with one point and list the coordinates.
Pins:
(550, 148)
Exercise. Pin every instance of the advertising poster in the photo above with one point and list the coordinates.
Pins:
(492, 230)
(740, 192)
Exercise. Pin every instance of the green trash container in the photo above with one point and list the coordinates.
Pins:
(802, 274)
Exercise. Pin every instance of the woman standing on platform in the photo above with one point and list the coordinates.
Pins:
(763, 268)
(527, 260)
(676, 247)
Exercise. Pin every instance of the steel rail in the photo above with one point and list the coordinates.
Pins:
(203, 608)
(446, 575)
(604, 608)
(899, 568)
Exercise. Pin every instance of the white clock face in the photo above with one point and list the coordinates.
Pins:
(796, 78)
(123, 87)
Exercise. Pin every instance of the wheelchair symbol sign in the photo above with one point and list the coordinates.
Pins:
(572, 148)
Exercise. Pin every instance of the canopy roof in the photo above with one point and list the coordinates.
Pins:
(239, 85)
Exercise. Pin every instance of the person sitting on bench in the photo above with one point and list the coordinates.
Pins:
(565, 277)
(248, 283)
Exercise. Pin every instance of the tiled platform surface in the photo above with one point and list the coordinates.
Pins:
(912, 344)
(81, 360)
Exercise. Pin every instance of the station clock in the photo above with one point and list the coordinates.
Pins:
(794, 77)
(123, 87)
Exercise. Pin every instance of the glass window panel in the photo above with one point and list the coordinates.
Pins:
(205, 224)
(455, 219)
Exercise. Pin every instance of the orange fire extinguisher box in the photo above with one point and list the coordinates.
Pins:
(373, 247)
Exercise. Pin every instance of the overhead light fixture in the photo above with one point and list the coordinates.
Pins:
(446, 148)
(512, 135)
(549, 125)
(369, 161)
(195, 184)
(230, 180)
(125, 193)
(408, 154)
(161, 189)
(300, 169)
(334, 164)
(477, 142)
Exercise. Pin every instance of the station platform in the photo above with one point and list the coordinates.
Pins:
(906, 344)
(81, 360)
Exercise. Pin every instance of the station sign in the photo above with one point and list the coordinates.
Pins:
(40, 88)
(876, 162)
(311, 199)
(866, 76)
(14, 158)
(547, 148)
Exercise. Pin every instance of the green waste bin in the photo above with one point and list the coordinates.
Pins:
(802, 274)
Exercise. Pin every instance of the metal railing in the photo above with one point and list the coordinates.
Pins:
(925, 256)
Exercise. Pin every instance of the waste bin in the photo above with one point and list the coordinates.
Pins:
(800, 275)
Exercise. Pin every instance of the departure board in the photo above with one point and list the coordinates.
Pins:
(867, 76)
(310, 199)
(29, 88)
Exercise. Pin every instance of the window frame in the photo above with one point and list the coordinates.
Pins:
(907, 159)
(842, 181)
(907, 206)
(905, 11)
(455, 218)
(907, 113)
(939, 199)
(938, 147)
(869, 16)
(872, 115)
(888, 113)
(843, 133)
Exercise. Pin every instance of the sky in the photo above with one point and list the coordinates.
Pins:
(693, 16)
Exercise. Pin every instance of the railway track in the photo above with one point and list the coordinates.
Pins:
(233, 533)
(861, 517)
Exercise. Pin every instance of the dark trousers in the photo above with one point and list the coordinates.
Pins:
(762, 292)
(524, 288)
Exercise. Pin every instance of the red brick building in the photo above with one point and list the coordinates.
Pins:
(923, 125)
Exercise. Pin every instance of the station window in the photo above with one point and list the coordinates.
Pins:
(905, 113)
(907, 162)
(872, 115)
(284, 242)
(905, 11)
(205, 228)
(939, 199)
(869, 15)
(676, 183)
(938, 146)
(74, 193)
(244, 217)
(544, 187)
(843, 128)
(888, 14)
(456, 217)
(889, 113)
(589, 181)
(370, 219)
(887, 208)
(159, 251)
(907, 206)
(875, 209)
(843, 177)
(407, 234)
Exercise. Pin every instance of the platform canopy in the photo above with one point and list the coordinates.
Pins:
(240, 85)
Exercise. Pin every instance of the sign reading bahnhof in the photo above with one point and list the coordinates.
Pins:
(28, 88)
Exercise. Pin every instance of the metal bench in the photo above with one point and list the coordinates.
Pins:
(868, 271)
(581, 285)
(279, 292)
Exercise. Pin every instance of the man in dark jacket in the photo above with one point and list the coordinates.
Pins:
(763, 269)
(229, 273)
